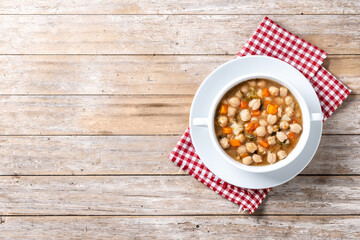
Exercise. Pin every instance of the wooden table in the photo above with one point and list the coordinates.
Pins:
(94, 95)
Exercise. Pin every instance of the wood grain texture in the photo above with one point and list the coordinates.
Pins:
(181, 227)
(109, 115)
(168, 195)
(122, 155)
(64, 74)
(165, 34)
(182, 7)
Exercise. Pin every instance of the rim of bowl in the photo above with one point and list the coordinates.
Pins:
(293, 154)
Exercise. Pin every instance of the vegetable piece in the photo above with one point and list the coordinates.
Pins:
(255, 113)
(264, 143)
(244, 155)
(227, 130)
(224, 109)
(235, 143)
(243, 104)
(276, 128)
(294, 121)
(291, 135)
(250, 127)
(285, 144)
(250, 137)
(272, 109)
(266, 103)
(265, 92)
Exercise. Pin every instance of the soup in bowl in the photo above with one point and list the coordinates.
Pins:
(258, 122)
(262, 132)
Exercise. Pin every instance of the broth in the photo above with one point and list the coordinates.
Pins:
(258, 122)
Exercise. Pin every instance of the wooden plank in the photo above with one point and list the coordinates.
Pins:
(165, 34)
(122, 155)
(159, 195)
(181, 7)
(181, 227)
(67, 115)
(64, 74)
(109, 115)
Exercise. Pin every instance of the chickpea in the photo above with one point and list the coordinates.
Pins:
(230, 136)
(261, 150)
(244, 89)
(251, 147)
(274, 91)
(241, 150)
(234, 102)
(260, 131)
(238, 94)
(279, 101)
(279, 114)
(252, 83)
(264, 114)
(237, 128)
(281, 136)
(295, 127)
(271, 157)
(254, 119)
(285, 117)
(271, 140)
(257, 158)
(241, 138)
(224, 143)
(247, 160)
(284, 125)
(281, 154)
(271, 119)
(254, 104)
(261, 84)
(259, 93)
(223, 121)
(270, 129)
(231, 112)
(231, 120)
(283, 92)
(263, 122)
(288, 100)
(289, 111)
(245, 115)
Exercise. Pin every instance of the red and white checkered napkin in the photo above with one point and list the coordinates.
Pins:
(271, 40)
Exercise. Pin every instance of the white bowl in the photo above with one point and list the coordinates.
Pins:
(202, 122)
(307, 118)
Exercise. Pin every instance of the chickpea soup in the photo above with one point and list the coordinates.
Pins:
(258, 122)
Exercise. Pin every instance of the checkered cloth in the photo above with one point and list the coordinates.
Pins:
(271, 40)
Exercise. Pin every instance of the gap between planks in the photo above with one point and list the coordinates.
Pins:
(154, 175)
(185, 215)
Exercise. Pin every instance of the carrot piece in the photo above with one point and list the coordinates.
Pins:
(243, 104)
(235, 143)
(264, 143)
(250, 127)
(272, 109)
(255, 113)
(244, 155)
(227, 130)
(223, 109)
(265, 92)
(266, 103)
(291, 135)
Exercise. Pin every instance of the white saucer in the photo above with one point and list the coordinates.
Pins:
(201, 107)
